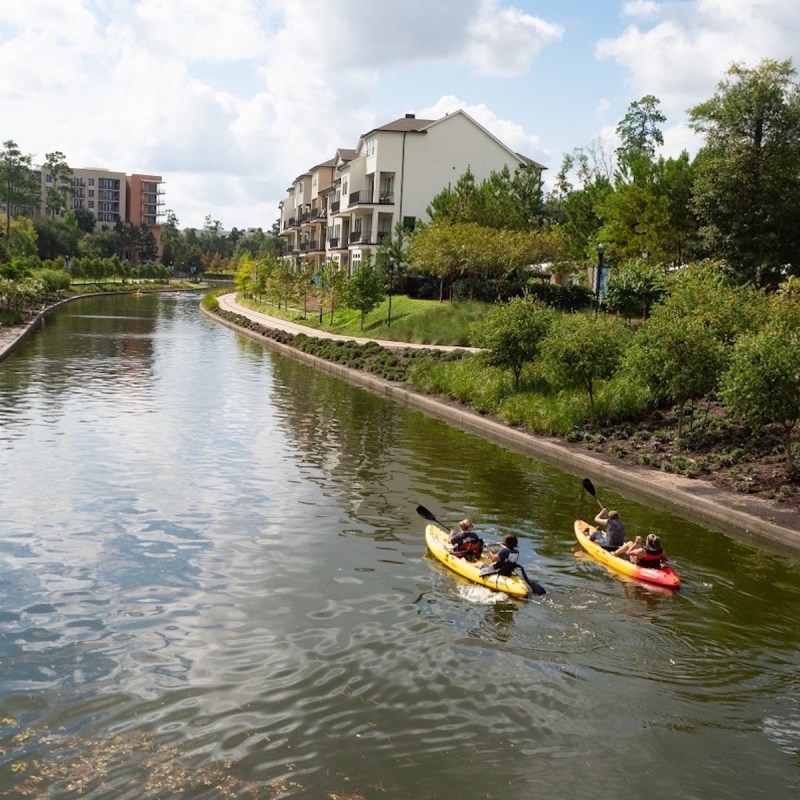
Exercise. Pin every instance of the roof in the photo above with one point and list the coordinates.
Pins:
(407, 124)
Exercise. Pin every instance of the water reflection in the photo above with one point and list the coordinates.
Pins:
(212, 574)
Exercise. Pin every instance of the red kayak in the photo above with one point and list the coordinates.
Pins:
(666, 576)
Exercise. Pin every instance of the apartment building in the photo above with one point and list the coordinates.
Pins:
(343, 209)
(110, 196)
(144, 201)
(100, 191)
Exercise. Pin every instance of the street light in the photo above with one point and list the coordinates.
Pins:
(600, 252)
(390, 265)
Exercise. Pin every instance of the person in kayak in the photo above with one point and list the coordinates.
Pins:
(504, 561)
(614, 536)
(465, 543)
(652, 555)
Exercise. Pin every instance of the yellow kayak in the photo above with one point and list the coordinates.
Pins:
(661, 577)
(439, 544)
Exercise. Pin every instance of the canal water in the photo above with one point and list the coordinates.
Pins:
(213, 583)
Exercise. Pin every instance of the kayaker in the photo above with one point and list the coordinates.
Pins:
(504, 561)
(465, 541)
(614, 536)
(652, 555)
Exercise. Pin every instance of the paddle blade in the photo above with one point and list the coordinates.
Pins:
(589, 486)
(536, 588)
(425, 514)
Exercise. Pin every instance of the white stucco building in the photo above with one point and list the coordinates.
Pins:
(343, 208)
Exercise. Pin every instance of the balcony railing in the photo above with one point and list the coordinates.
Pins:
(360, 197)
(360, 237)
(335, 206)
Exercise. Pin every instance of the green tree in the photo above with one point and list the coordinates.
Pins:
(678, 358)
(55, 238)
(22, 241)
(747, 185)
(581, 351)
(634, 287)
(575, 206)
(762, 383)
(59, 190)
(365, 290)
(512, 334)
(639, 131)
(20, 191)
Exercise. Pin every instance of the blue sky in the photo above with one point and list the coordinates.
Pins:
(229, 102)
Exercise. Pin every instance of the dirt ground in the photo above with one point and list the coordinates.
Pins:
(711, 446)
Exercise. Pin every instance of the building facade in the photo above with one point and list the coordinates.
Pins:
(343, 209)
(111, 197)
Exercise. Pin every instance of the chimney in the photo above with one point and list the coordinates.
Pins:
(411, 116)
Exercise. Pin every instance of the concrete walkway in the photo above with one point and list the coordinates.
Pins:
(227, 302)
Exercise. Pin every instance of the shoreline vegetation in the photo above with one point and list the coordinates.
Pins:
(696, 440)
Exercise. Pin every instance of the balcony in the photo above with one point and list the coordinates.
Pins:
(360, 237)
(309, 246)
(335, 206)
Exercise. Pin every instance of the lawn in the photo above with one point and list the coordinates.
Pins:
(419, 321)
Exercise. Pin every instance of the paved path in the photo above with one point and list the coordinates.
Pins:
(227, 302)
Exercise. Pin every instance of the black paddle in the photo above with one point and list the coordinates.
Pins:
(425, 514)
(589, 486)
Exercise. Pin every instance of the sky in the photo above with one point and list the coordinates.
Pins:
(230, 102)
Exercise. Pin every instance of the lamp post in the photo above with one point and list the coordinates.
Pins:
(600, 252)
(390, 265)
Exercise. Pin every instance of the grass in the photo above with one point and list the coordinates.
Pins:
(417, 321)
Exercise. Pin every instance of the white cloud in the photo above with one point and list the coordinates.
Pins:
(505, 40)
(641, 8)
(684, 55)
(231, 101)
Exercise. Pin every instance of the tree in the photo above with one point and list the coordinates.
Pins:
(502, 201)
(59, 191)
(678, 358)
(20, 192)
(330, 287)
(365, 290)
(762, 383)
(84, 219)
(580, 350)
(576, 208)
(634, 287)
(513, 333)
(22, 242)
(55, 238)
(747, 186)
(639, 130)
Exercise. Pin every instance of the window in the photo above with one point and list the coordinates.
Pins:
(372, 145)
(409, 223)
(91, 181)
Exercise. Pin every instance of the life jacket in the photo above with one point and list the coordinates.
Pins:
(651, 559)
(505, 567)
(470, 547)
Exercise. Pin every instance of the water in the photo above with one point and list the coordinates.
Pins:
(213, 583)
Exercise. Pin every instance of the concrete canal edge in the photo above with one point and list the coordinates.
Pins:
(749, 518)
